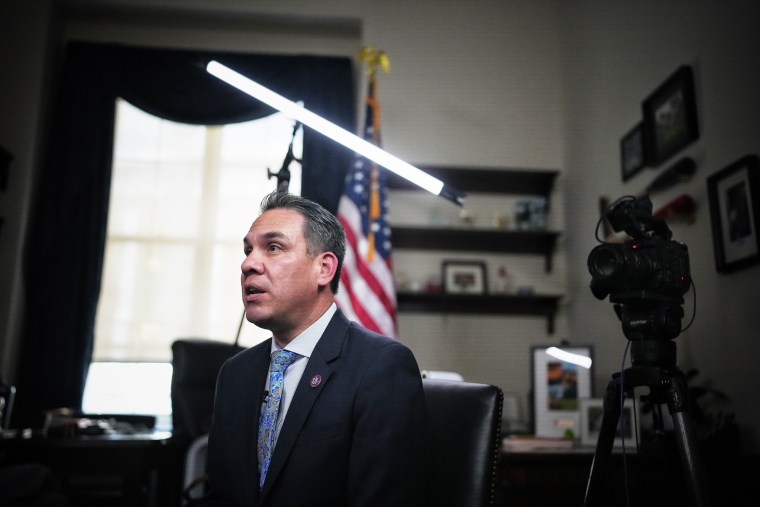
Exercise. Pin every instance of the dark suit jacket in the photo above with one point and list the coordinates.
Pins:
(355, 439)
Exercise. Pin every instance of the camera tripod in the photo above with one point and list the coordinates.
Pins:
(653, 365)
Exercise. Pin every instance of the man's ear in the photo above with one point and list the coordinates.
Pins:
(328, 264)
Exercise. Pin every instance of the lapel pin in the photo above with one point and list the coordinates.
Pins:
(315, 380)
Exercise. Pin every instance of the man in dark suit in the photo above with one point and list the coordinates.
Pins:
(350, 425)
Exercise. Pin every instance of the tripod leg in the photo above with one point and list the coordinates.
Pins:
(604, 443)
(686, 440)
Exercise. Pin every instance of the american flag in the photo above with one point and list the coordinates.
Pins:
(367, 294)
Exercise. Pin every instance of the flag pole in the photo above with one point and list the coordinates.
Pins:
(367, 294)
(374, 58)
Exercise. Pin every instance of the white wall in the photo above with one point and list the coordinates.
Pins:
(473, 83)
(536, 84)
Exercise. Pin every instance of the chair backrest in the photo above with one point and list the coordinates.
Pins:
(196, 363)
(464, 426)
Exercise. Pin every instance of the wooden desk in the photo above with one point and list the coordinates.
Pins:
(551, 478)
(139, 470)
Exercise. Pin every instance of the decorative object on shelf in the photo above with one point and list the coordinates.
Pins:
(401, 279)
(530, 215)
(735, 214)
(538, 214)
(464, 277)
(679, 172)
(522, 215)
(433, 285)
(632, 158)
(591, 411)
(501, 281)
(466, 217)
(682, 207)
(670, 117)
(499, 220)
(560, 377)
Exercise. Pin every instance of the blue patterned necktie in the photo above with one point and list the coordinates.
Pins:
(268, 421)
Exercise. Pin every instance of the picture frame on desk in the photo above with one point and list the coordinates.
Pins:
(670, 117)
(735, 213)
(591, 411)
(561, 376)
(464, 277)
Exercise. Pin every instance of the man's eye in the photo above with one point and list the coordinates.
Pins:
(274, 248)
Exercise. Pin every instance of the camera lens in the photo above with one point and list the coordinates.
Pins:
(606, 261)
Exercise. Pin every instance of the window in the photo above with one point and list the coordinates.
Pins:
(182, 197)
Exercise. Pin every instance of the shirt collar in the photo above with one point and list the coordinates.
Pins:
(304, 343)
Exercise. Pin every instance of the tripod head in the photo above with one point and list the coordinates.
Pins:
(645, 277)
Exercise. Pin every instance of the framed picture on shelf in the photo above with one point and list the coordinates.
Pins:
(670, 117)
(464, 277)
(591, 412)
(561, 376)
(735, 214)
(632, 158)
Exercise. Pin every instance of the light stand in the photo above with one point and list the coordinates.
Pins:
(283, 175)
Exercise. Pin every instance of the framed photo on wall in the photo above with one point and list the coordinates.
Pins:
(561, 376)
(632, 158)
(591, 412)
(670, 117)
(735, 214)
(464, 277)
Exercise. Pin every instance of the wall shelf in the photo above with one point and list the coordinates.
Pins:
(477, 240)
(492, 304)
(494, 181)
(506, 181)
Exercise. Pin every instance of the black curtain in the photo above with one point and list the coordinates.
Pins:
(66, 238)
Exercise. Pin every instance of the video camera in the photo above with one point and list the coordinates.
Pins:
(646, 275)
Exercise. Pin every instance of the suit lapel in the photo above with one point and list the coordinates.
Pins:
(327, 350)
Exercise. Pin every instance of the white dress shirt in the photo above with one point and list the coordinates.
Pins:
(303, 345)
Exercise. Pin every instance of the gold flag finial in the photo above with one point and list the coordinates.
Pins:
(374, 57)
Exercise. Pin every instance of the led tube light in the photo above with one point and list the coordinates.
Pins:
(570, 357)
(334, 132)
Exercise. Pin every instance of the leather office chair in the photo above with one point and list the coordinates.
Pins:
(464, 427)
(196, 363)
